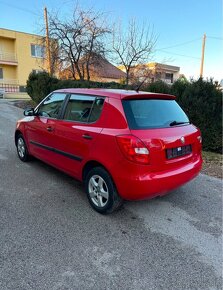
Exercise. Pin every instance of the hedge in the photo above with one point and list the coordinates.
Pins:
(39, 85)
(200, 99)
(202, 102)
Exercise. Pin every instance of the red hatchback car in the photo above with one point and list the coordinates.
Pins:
(124, 145)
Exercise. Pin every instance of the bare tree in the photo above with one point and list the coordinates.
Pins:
(80, 39)
(43, 61)
(140, 75)
(95, 47)
(132, 46)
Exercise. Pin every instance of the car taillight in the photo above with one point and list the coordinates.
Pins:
(133, 148)
(199, 138)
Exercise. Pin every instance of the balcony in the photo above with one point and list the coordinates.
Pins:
(9, 81)
(8, 58)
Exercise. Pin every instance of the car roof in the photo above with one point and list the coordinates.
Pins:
(117, 93)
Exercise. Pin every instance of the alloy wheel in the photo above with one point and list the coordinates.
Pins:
(21, 147)
(98, 190)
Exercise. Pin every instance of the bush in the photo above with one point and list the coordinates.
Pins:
(178, 88)
(39, 85)
(158, 87)
(62, 84)
(202, 101)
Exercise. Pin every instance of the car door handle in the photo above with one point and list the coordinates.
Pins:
(49, 129)
(86, 136)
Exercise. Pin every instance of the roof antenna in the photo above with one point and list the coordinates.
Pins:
(139, 86)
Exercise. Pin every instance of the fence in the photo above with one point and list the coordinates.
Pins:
(11, 88)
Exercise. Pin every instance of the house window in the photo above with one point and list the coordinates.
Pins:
(158, 75)
(1, 73)
(169, 77)
(37, 50)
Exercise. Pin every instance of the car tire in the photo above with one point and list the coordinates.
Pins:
(101, 191)
(22, 149)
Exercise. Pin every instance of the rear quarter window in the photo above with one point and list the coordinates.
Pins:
(153, 113)
(83, 109)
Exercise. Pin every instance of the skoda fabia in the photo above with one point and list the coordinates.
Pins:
(123, 145)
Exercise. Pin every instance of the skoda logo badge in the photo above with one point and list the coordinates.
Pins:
(182, 139)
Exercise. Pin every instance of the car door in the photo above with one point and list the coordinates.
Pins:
(77, 132)
(41, 130)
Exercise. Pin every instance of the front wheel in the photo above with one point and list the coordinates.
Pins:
(22, 149)
(101, 191)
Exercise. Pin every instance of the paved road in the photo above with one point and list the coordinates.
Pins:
(50, 238)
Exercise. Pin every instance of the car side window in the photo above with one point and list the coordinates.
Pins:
(51, 107)
(96, 110)
(79, 108)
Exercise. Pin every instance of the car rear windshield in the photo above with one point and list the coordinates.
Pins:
(153, 113)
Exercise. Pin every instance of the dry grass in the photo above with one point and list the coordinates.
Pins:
(212, 164)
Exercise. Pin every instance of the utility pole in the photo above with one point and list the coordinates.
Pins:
(47, 42)
(202, 56)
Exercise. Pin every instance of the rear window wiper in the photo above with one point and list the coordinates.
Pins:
(175, 123)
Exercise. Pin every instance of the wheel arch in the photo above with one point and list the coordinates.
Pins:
(114, 200)
(17, 133)
(90, 165)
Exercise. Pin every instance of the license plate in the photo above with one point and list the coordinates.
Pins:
(178, 151)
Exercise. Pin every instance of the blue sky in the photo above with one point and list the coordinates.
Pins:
(175, 22)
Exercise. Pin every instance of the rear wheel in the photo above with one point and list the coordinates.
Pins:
(22, 149)
(101, 191)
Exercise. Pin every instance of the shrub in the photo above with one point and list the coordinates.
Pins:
(39, 85)
(61, 84)
(202, 101)
(158, 87)
(178, 88)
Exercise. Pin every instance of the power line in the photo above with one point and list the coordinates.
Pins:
(179, 54)
(159, 49)
(181, 44)
(19, 8)
(177, 45)
(215, 37)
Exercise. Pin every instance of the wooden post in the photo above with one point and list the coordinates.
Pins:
(202, 56)
(47, 42)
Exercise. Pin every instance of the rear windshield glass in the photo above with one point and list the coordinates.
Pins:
(149, 113)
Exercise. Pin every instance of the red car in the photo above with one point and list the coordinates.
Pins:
(124, 145)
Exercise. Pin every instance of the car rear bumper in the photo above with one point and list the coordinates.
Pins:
(149, 185)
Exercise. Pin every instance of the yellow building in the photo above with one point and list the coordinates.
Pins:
(20, 54)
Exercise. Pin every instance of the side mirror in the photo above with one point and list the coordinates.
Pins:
(29, 112)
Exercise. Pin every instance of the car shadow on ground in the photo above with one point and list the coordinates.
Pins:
(76, 188)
